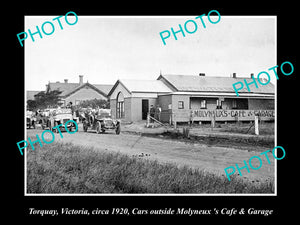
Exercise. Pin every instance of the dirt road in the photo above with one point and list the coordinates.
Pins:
(209, 158)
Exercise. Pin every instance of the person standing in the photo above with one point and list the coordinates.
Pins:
(152, 113)
(158, 112)
(70, 106)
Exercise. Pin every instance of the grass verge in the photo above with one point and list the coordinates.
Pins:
(66, 168)
(265, 128)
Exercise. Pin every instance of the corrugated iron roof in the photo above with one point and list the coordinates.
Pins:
(222, 94)
(104, 87)
(67, 88)
(145, 86)
(194, 83)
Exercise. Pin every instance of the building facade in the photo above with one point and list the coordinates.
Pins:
(130, 100)
(186, 98)
(77, 92)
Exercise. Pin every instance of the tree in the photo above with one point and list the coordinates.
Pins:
(44, 100)
(31, 105)
(93, 103)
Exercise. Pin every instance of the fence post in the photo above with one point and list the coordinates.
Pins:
(148, 120)
(186, 132)
(256, 125)
(212, 122)
(175, 123)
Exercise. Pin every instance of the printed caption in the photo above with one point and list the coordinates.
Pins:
(143, 211)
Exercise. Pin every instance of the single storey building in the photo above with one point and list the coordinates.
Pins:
(189, 98)
(77, 92)
(130, 100)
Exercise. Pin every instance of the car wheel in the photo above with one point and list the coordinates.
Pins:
(55, 125)
(50, 127)
(118, 129)
(98, 127)
(85, 127)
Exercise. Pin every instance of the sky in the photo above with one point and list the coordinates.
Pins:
(105, 49)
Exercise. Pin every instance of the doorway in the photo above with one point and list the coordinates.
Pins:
(145, 108)
(120, 106)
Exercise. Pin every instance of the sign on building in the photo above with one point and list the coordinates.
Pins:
(231, 115)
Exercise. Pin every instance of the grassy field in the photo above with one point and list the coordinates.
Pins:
(65, 168)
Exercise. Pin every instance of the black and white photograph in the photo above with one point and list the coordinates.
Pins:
(138, 107)
(152, 118)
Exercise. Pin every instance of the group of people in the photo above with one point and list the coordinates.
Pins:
(155, 113)
(90, 114)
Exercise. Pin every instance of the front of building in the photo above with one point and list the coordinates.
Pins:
(187, 98)
(78, 92)
(200, 98)
(130, 100)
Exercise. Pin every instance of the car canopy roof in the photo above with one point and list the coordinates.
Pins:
(63, 111)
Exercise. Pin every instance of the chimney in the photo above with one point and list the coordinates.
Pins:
(66, 81)
(80, 79)
(234, 75)
(201, 74)
(251, 75)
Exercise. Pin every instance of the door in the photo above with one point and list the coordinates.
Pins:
(145, 108)
(120, 106)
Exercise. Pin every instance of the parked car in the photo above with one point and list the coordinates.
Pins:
(30, 119)
(58, 116)
(100, 120)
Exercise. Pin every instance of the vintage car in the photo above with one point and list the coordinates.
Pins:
(43, 117)
(59, 116)
(100, 120)
(30, 119)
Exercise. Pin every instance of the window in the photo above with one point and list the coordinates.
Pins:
(180, 105)
(120, 110)
(203, 104)
(234, 104)
(120, 106)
